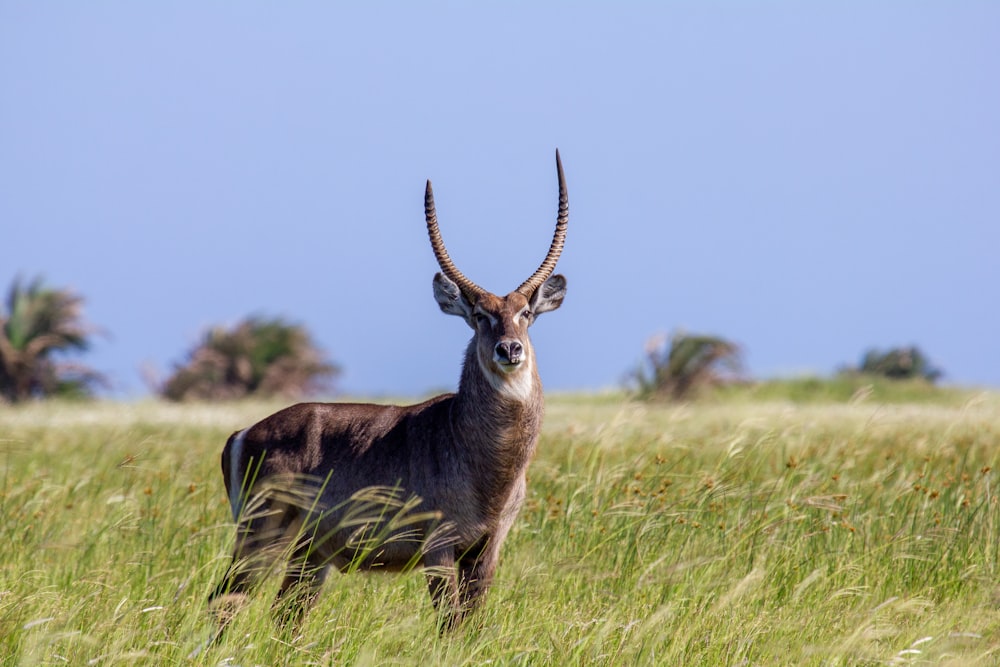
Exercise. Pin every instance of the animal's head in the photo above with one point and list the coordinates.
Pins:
(501, 324)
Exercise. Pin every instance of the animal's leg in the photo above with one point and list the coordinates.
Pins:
(299, 589)
(476, 568)
(439, 566)
(260, 540)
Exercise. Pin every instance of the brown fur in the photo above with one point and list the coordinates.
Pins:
(459, 460)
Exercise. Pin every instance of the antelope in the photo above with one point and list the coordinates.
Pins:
(456, 463)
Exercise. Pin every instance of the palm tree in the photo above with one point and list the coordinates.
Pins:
(257, 357)
(38, 324)
(689, 362)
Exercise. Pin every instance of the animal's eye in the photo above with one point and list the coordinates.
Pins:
(527, 314)
(481, 319)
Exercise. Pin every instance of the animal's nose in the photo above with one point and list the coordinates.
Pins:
(509, 351)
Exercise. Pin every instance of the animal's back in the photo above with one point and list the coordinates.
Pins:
(379, 442)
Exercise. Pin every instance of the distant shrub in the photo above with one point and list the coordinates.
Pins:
(258, 357)
(899, 363)
(677, 367)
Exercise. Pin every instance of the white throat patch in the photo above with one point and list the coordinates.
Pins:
(516, 385)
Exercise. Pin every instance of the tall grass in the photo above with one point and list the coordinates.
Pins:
(733, 532)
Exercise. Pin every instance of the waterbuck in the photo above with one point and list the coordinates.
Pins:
(382, 487)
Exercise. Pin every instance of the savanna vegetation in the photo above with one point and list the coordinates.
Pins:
(778, 524)
(263, 357)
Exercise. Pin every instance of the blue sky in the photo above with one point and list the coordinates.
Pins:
(807, 179)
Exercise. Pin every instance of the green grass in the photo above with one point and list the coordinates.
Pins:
(844, 387)
(743, 530)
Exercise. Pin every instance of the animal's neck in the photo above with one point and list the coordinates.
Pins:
(503, 414)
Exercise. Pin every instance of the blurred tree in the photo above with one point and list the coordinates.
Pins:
(689, 362)
(899, 363)
(257, 357)
(37, 324)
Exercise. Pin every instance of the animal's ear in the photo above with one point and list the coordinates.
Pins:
(549, 296)
(450, 298)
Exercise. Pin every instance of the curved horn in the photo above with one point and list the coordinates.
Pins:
(470, 289)
(529, 286)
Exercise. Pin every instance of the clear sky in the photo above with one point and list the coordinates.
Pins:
(807, 179)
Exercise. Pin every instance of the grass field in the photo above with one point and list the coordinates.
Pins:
(748, 530)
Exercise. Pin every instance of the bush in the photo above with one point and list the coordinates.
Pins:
(899, 363)
(258, 357)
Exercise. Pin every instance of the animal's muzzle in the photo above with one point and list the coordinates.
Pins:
(509, 352)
